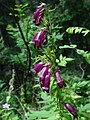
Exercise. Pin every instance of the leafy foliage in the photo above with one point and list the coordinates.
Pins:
(76, 30)
(85, 54)
(18, 85)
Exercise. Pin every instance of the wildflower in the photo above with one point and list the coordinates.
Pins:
(60, 82)
(33, 108)
(41, 81)
(43, 73)
(38, 15)
(6, 105)
(71, 109)
(46, 82)
(40, 38)
(37, 67)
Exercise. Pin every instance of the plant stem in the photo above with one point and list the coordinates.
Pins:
(21, 106)
(29, 56)
(26, 44)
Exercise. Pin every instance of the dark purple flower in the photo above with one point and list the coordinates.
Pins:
(43, 73)
(60, 82)
(41, 81)
(38, 15)
(40, 38)
(71, 109)
(37, 67)
(46, 82)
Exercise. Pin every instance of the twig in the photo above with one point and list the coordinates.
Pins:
(83, 71)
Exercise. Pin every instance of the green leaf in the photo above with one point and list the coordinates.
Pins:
(85, 54)
(87, 107)
(62, 63)
(59, 36)
(35, 86)
(57, 61)
(68, 46)
(74, 95)
(76, 30)
(69, 59)
(86, 32)
(70, 30)
(8, 98)
(82, 84)
(15, 118)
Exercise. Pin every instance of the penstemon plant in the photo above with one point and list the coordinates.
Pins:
(46, 67)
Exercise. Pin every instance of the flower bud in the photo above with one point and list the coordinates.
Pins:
(40, 38)
(60, 82)
(38, 15)
(43, 73)
(71, 109)
(46, 82)
(37, 67)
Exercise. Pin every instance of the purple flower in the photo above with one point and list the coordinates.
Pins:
(40, 38)
(41, 81)
(37, 67)
(71, 109)
(6, 106)
(38, 15)
(43, 73)
(60, 82)
(46, 82)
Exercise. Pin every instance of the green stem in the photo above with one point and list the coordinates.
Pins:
(59, 102)
(21, 105)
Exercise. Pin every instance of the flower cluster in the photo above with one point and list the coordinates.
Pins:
(44, 80)
(38, 15)
(44, 77)
(40, 38)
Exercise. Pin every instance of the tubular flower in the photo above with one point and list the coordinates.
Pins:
(38, 15)
(71, 109)
(43, 73)
(37, 67)
(40, 38)
(60, 82)
(46, 82)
